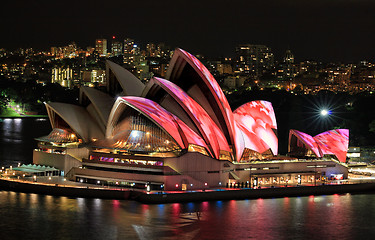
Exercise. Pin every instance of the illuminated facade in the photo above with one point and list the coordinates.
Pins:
(101, 46)
(93, 76)
(116, 48)
(333, 142)
(173, 133)
(131, 52)
(254, 59)
(63, 76)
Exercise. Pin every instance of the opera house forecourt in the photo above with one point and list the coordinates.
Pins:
(180, 133)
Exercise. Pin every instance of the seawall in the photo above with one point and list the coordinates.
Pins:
(256, 193)
(63, 190)
(190, 196)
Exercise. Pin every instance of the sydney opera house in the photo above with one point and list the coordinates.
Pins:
(179, 133)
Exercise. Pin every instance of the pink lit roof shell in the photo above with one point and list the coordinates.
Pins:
(257, 120)
(178, 130)
(308, 140)
(209, 130)
(334, 142)
(225, 110)
(189, 136)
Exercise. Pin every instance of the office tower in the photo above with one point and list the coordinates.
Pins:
(116, 48)
(151, 50)
(289, 71)
(131, 52)
(101, 47)
(254, 59)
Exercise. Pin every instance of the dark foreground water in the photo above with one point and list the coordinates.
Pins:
(32, 216)
(17, 139)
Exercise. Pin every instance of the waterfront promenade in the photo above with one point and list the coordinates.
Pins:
(58, 186)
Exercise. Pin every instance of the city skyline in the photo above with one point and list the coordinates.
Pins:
(339, 31)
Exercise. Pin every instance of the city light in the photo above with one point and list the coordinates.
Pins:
(325, 112)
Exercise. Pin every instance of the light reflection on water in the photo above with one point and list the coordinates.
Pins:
(17, 139)
(32, 216)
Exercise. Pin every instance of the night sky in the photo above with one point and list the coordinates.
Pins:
(326, 30)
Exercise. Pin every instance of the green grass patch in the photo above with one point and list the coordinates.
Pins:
(9, 112)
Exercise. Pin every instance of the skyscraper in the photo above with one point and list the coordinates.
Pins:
(116, 48)
(288, 66)
(101, 47)
(289, 57)
(131, 51)
(151, 50)
(254, 59)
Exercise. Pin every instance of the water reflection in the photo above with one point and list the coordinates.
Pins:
(17, 139)
(337, 216)
(11, 130)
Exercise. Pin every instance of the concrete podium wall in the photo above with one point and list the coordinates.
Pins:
(62, 162)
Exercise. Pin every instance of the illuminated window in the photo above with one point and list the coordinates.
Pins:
(195, 148)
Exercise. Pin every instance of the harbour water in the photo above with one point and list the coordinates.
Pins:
(33, 216)
(17, 139)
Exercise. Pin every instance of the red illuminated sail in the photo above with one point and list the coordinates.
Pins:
(257, 121)
(209, 130)
(334, 142)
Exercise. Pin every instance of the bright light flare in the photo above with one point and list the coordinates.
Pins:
(325, 112)
(134, 133)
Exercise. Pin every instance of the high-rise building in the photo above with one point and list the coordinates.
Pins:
(163, 50)
(254, 59)
(150, 50)
(289, 71)
(289, 57)
(116, 48)
(131, 53)
(128, 45)
(101, 47)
